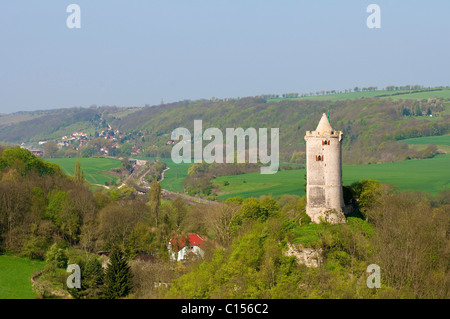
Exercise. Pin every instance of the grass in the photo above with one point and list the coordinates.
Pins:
(15, 275)
(437, 140)
(307, 235)
(173, 178)
(425, 175)
(96, 170)
(444, 94)
(420, 143)
(256, 184)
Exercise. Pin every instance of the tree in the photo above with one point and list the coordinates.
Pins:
(221, 222)
(56, 257)
(92, 276)
(126, 149)
(368, 192)
(78, 175)
(155, 199)
(418, 111)
(62, 212)
(118, 277)
(50, 149)
(139, 240)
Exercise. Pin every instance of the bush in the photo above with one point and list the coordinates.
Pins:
(35, 248)
(56, 256)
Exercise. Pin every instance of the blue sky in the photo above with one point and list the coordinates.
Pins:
(137, 52)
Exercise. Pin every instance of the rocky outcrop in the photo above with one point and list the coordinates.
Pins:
(331, 216)
(309, 257)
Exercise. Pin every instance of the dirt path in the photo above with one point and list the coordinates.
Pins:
(188, 198)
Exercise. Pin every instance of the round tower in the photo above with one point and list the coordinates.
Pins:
(325, 200)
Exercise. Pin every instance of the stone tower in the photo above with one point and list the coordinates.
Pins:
(324, 192)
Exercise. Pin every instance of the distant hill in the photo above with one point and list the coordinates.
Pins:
(53, 124)
(373, 127)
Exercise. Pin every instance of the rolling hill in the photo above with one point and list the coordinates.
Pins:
(373, 122)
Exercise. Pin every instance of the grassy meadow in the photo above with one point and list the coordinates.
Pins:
(15, 275)
(173, 178)
(420, 143)
(96, 170)
(405, 95)
(437, 140)
(426, 175)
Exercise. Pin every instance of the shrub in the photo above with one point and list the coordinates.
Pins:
(56, 256)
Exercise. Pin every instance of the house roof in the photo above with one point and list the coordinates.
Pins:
(180, 242)
(324, 125)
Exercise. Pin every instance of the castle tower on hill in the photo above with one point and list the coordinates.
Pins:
(325, 200)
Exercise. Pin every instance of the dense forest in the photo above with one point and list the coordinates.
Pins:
(49, 216)
(373, 127)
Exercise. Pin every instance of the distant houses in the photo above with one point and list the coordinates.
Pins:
(170, 142)
(135, 151)
(79, 139)
(184, 247)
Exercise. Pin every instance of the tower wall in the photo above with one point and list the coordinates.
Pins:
(324, 175)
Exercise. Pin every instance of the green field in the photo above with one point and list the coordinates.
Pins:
(96, 170)
(173, 178)
(420, 143)
(15, 275)
(444, 94)
(426, 175)
(437, 140)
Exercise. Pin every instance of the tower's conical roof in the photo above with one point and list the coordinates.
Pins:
(324, 125)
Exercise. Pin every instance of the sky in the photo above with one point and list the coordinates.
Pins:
(138, 52)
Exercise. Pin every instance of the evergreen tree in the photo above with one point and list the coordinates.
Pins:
(118, 277)
(91, 280)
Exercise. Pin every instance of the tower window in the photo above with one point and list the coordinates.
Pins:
(328, 142)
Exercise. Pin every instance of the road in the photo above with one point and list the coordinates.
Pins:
(145, 187)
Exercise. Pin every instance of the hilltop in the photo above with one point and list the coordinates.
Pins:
(374, 123)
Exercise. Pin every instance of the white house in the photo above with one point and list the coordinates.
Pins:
(182, 247)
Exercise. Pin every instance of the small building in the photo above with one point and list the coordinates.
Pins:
(37, 152)
(183, 247)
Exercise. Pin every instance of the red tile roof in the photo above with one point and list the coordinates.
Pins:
(190, 240)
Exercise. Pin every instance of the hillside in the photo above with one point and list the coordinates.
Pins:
(372, 126)
(253, 247)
